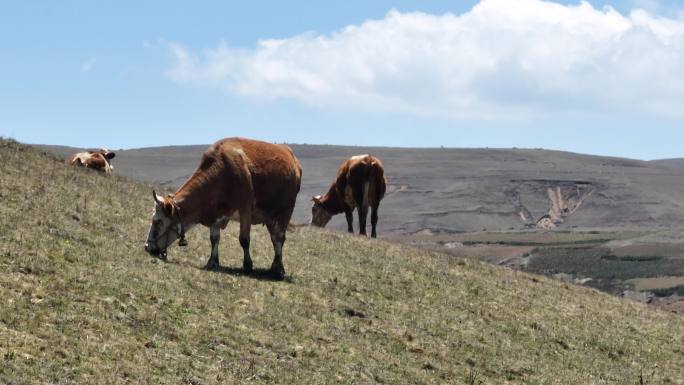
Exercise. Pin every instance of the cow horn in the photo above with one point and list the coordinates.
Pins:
(154, 195)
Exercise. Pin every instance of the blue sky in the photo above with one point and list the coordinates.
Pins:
(429, 73)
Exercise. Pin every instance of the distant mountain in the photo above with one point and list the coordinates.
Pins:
(454, 190)
(677, 163)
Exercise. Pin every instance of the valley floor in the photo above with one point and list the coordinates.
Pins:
(646, 265)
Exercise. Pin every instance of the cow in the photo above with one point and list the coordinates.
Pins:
(238, 179)
(100, 160)
(360, 183)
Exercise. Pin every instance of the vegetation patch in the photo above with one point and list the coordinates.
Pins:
(599, 262)
(669, 291)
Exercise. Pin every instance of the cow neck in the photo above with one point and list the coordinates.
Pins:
(333, 202)
(188, 199)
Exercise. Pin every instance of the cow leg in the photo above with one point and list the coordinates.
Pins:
(277, 231)
(245, 227)
(363, 214)
(374, 220)
(362, 209)
(214, 237)
(350, 220)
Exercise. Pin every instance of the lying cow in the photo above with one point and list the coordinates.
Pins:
(99, 160)
(360, 183)
(245, 180)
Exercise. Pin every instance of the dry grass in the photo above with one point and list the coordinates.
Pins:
(82, 303)
(522, 238)
(656, 283)
(671, 250)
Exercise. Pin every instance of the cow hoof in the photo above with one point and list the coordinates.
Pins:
(211, 266)
(247, 268)
(278, 273)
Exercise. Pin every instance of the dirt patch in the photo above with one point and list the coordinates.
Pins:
(496, 254)
(424, 232)
(675, 250)
(673, 304)
(546, 223)
(565, 197)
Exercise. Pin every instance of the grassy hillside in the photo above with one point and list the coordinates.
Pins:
(83, 303)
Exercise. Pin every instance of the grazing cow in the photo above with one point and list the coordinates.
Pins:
(360, 183)
(245, 180)
(99, 160)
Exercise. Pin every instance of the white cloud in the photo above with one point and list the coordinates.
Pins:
(88, 64)
(501, 60)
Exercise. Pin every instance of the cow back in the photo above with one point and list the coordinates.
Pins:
(273, 172)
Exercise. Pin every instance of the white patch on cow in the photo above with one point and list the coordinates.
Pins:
(163, 223)
(355, 157)
(83, 157)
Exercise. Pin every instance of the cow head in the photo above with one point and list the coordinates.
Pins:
(107, 154)
(320, 216)
(166, 226)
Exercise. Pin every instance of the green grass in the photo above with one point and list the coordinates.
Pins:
(82, 303)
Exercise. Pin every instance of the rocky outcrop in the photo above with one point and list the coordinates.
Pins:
(564, 198)
(513, 196)
(564, 201)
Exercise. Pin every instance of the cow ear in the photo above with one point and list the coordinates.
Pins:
(110, 155)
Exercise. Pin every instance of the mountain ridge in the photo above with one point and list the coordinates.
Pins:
(464, 190)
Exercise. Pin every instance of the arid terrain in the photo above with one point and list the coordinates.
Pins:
(83, 303)
(610, 223)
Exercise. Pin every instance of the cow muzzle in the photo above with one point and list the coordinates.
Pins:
(154, 251)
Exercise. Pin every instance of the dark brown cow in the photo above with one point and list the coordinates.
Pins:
(99, 160)
(360, 183)
(245, 180)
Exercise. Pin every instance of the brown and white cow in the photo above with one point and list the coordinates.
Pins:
(238, 179)
(99, 160)
(360, 183)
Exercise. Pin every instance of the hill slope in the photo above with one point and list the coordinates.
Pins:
(453, 190)
(82, 303)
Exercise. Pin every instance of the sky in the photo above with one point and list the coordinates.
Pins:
(597, 77)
